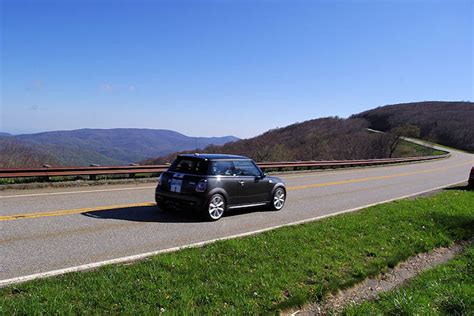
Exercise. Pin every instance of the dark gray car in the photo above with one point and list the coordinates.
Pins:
(213, 184)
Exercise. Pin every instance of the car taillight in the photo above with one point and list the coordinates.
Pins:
(201, 186)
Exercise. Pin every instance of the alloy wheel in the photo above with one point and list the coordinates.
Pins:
(279, 199)
(216, 207)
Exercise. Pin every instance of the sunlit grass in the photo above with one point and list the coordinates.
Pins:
(444, 290)
(271, 271)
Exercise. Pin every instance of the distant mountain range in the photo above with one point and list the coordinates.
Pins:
(101, 146)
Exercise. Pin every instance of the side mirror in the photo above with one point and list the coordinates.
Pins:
(263, 175)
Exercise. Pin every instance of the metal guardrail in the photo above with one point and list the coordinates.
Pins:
(132, 170)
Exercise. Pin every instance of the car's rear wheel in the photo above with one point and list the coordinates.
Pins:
(215, 208)
(278, 199)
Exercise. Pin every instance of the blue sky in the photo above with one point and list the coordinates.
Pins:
(213, 68)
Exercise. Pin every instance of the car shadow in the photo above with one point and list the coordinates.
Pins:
(155, 214)
(146, 214)
(459, 188)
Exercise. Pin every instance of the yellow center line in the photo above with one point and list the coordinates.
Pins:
(75, 211)
(351, 170)
(292, 188)
(396, 175)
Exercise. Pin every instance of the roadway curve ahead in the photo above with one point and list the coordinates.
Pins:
(52, 229)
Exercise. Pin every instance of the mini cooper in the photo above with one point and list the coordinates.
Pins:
(213, 184)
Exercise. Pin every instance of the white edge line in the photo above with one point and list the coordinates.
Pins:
(94, 265)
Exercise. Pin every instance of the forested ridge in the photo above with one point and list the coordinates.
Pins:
(330, 138)
(447, 123)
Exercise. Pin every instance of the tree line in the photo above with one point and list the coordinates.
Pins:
(447, 123)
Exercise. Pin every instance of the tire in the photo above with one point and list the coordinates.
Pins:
(215, 208)
(278, 199)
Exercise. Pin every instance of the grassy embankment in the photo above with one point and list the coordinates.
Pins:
(409, 149)
(271, 271)
(445, 290)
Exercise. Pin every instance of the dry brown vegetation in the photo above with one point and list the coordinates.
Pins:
(319, 139)
(447, 123)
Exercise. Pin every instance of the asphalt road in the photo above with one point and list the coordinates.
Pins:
(48, 229)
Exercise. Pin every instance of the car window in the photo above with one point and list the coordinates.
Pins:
(223, 167)
(246, 168)
(189, 165)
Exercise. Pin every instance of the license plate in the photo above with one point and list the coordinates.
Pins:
(175, 185)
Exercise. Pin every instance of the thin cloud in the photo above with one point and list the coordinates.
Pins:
(107, 87)
(38, 84)
(35, 85)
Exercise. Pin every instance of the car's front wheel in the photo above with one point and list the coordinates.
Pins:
(278, 199)
(215, 208)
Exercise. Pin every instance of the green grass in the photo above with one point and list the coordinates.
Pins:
(265, 273)
(451, 148)
(409, 149)
(444, 290)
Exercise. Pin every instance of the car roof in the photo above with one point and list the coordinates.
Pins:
(213, 156)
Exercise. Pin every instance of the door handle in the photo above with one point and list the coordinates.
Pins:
(242, 182)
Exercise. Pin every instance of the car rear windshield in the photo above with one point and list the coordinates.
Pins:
(190, 165)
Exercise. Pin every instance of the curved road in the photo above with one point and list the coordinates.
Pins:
(50, 229)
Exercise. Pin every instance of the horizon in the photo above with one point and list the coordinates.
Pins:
(247, 67)
(218, 136)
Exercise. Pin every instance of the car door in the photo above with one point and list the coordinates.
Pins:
(254, 187)
(235, 188)
(229, 180)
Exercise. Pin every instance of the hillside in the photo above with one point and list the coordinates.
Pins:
(318, 139)
(447, 123)
(18, 154)
(107, 146)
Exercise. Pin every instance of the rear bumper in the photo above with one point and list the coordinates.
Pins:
(182, 201)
